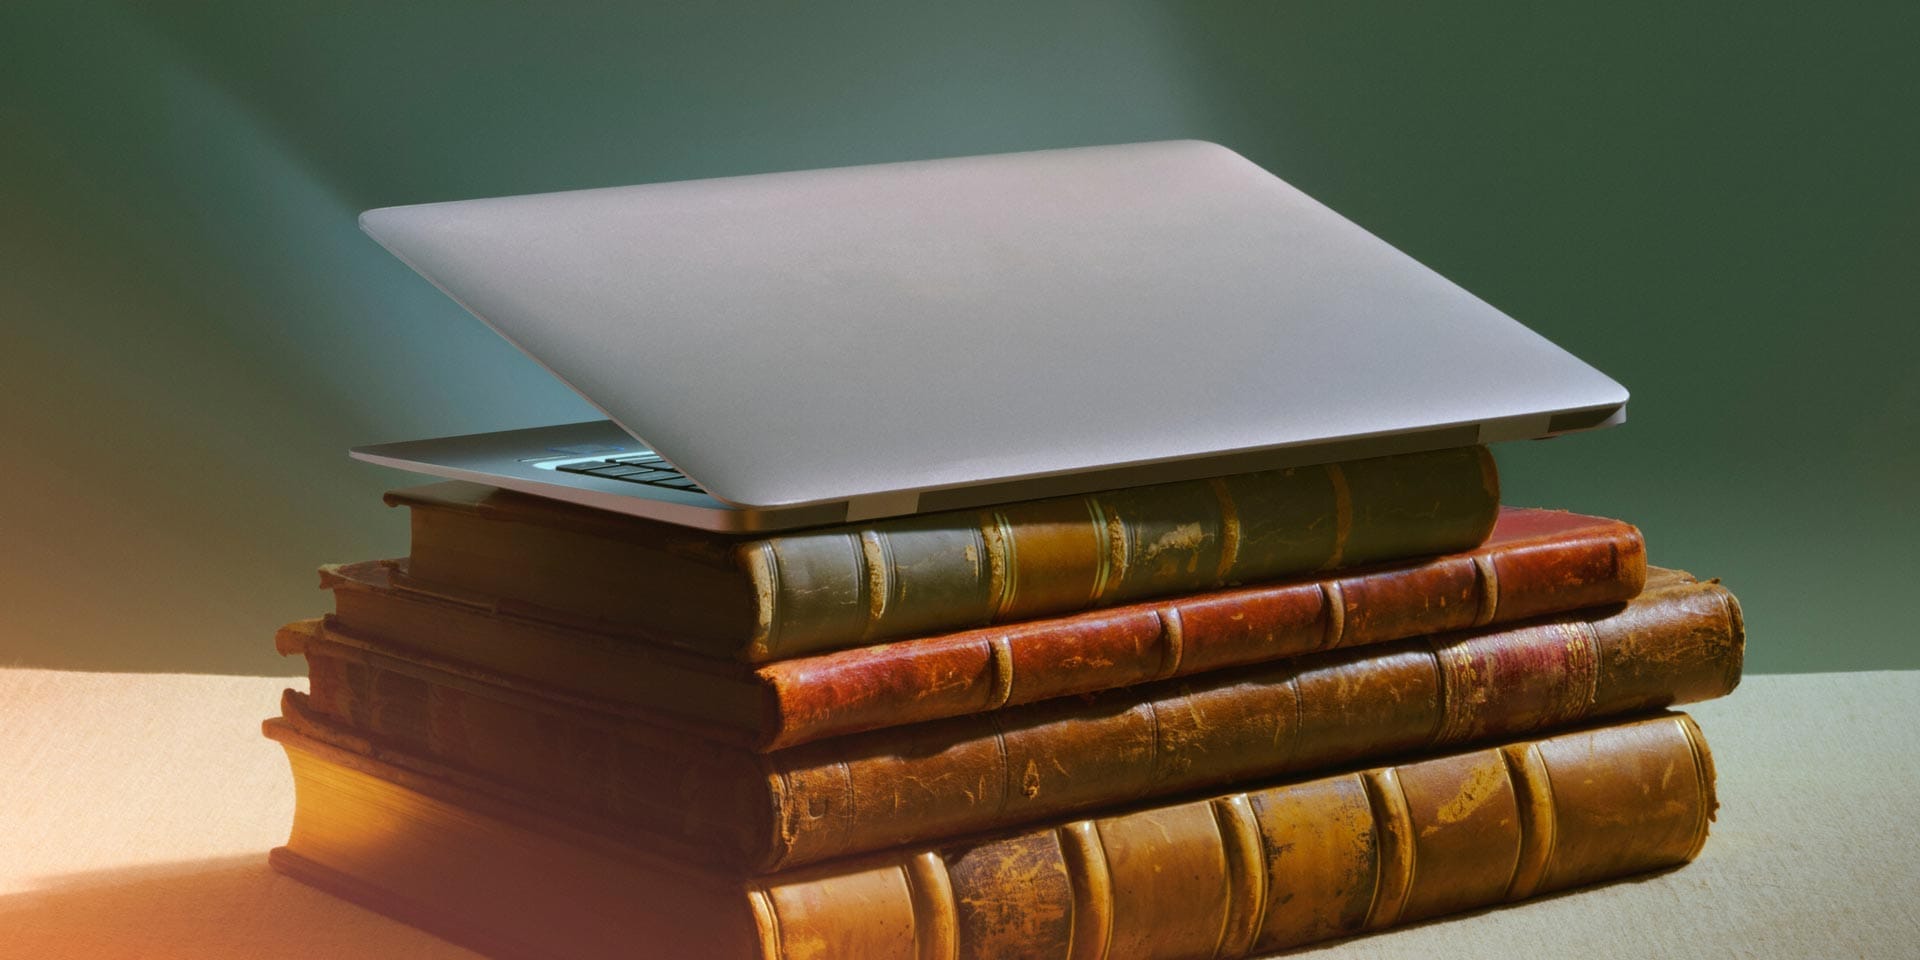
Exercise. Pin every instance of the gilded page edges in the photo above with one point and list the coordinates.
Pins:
(1533, 794)
(1393, 838)
(1092, 885)
(1246, 869)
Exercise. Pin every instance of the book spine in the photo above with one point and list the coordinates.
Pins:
(932, 678)
(1679, 643)
(841, 587)
(448, 856)
(1269, 869)
(657, 782)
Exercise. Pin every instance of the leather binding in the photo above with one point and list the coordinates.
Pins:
(1679, 642)
(1535, 562)
(1252, 871)
(770, 597)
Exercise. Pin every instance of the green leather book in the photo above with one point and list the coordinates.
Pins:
(1680, 642)
(759, 598)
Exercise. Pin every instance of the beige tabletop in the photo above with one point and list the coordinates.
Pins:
(136, 811)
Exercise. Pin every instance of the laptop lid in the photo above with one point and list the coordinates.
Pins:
(884, 331)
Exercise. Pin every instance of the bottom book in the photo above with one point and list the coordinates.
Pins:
(1257, 870)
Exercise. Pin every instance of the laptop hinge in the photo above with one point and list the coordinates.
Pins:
(882, 505)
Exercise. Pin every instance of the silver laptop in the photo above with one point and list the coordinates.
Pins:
(793, 349)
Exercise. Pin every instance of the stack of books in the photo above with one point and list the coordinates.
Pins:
(1197, 719)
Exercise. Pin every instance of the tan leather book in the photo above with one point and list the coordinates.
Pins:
(1681, 641)
(761, 598)
(1248, 871)
(1535, 562)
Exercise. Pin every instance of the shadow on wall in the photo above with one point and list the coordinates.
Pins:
(1717, 213)
(201, 331)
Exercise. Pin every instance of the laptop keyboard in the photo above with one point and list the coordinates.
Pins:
(638, 468)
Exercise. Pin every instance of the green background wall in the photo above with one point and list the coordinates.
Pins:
(1719, 207)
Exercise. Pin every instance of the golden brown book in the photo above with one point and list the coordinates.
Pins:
(1248, 871)
(1679, 642)
(766, 597)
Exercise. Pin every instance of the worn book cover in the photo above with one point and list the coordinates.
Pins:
(1257, 869)
(1680, 641)
(767, 597)
(1536, 562)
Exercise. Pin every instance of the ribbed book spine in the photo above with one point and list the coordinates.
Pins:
(766, 598)
(1680, 642)
(1269, 869)
(847, 586)
(1536, 562)
(1250, 871)
(1567, 563)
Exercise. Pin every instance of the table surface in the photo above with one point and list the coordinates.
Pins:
(138, 809)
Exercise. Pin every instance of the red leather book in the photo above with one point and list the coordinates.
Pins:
(1536, 562)
(1679, 642)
